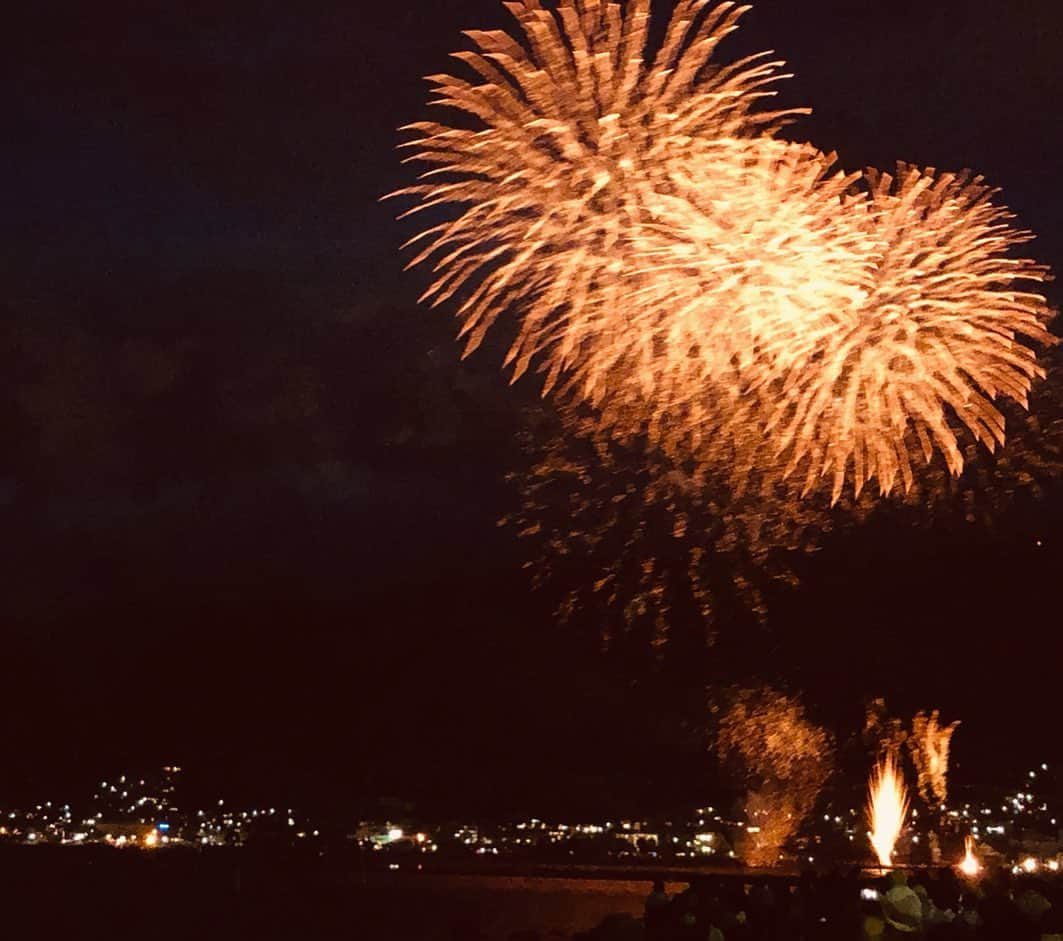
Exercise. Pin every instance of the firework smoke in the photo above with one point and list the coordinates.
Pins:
(785, 759)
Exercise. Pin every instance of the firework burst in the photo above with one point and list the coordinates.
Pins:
(730, 297)
(943, 332)
(586, 141)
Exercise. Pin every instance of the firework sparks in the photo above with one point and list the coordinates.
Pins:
(645, 545)
(700, 282)
(943, 332)
(642, 548)
(586, 143)
(969, 865)
(886, 809)
(929, 746)
(786, 759)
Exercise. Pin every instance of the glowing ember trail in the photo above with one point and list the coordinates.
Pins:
(886, 808)
(969, 865)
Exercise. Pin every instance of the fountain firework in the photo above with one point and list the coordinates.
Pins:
(887, 807)
(969, 865)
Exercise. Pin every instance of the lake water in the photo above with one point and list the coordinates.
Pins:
(164, 896)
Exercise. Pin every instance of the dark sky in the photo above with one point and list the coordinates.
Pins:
(249, 494)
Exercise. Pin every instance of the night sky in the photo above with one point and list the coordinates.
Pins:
(249, 493)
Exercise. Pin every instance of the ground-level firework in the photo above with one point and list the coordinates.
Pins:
(887, 808)
(785, 760)
(929, 747)
(969, 865)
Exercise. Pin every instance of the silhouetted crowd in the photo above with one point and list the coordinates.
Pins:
(935, 905)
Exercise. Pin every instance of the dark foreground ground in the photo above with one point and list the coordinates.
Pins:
(84, 893)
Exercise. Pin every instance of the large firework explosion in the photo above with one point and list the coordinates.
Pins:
(585, 136)
(936, 340)
(699, 281)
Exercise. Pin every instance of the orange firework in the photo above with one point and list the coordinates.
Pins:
(729, 280)
(643, 548)
(944, 331)
(969, 865)
(929, 746)
(886, 808)
(728, 295)
(585, 140)
(786, 759)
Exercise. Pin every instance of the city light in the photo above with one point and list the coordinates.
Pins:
(703, 834)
